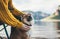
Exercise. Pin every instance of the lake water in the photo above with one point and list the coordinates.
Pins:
(38, 29)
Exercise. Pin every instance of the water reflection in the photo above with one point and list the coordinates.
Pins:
(43, 29)
(42, 23)
(40, 29)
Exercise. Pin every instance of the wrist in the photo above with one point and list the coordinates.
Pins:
(19, 25)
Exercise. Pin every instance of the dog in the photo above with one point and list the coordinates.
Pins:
(18, 33)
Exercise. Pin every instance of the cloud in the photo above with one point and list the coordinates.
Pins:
(42, 5)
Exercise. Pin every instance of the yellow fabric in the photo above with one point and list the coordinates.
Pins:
(14, 11)
(6, 15)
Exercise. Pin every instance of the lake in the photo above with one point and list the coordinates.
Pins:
(38, 29)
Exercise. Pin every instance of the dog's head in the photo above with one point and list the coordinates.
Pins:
(27, 19)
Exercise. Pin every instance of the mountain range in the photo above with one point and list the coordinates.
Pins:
(37, 15)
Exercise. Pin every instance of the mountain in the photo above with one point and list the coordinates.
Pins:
(37, 15)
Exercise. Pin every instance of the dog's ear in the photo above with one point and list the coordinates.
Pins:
(26, 15)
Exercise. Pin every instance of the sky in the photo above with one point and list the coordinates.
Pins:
(48, 6)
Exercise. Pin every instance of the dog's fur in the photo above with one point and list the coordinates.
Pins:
(18, 33)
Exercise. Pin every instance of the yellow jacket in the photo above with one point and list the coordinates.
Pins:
(7, 11)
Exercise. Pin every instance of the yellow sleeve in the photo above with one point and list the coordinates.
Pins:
(14, 10)
(7, 17)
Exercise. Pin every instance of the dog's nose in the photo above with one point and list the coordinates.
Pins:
(30, 25)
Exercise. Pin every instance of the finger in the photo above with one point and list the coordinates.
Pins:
(27, 28)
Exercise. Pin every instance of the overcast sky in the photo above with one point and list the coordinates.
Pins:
(48, 6)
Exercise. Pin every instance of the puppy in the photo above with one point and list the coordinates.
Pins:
(18, 33)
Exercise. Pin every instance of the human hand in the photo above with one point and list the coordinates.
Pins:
(25, 28)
